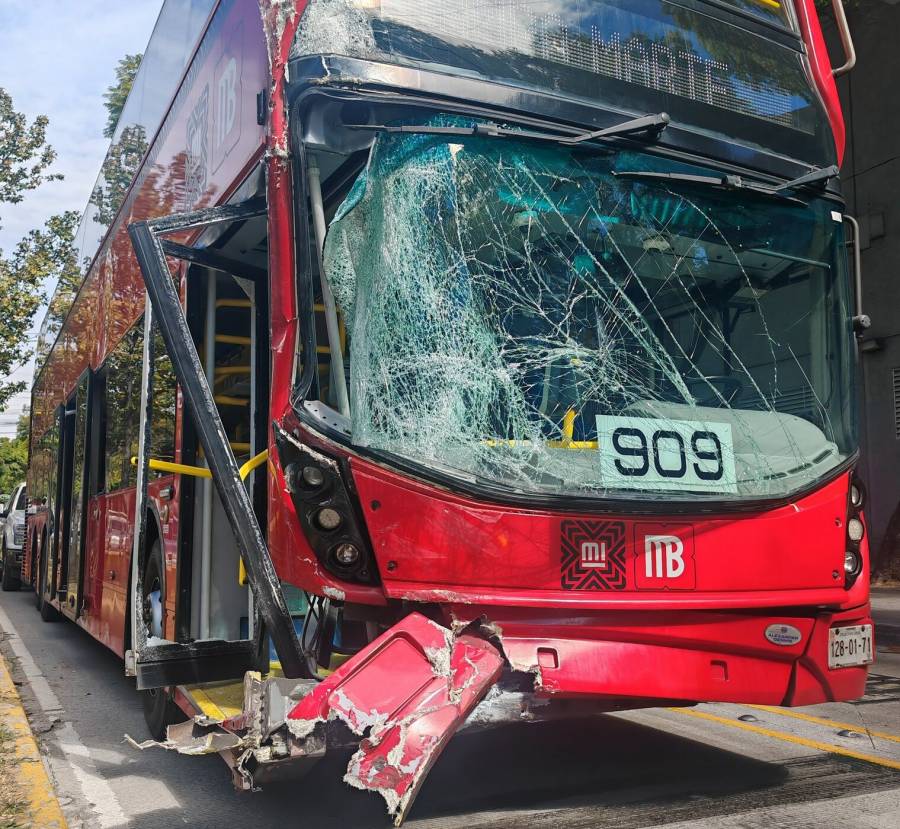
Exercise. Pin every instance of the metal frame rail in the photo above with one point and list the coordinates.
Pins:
(178, 663)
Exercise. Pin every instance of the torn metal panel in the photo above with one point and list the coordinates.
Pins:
(405, 694)
(410, 690)
(279, 19)
(195, 737)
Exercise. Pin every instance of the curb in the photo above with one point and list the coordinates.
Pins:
(43, 810)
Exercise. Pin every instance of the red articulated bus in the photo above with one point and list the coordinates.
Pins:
(447, 362)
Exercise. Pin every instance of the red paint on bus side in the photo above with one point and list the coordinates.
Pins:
(820, 65)
(111, 299)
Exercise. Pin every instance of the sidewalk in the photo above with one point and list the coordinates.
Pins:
(886, 613)
(27, 798)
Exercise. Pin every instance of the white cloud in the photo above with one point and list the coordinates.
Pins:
(57, 59)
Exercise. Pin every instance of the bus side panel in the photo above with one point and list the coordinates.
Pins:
(116, 558)
(820, 65)
(208, 143)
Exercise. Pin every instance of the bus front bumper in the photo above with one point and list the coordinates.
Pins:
(403, 696)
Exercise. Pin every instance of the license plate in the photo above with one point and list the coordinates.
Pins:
(673, 455)
(850, 646)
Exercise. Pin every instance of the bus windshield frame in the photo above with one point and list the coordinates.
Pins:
(464, 359)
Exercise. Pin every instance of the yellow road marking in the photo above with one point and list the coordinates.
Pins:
(860, 728)
(42, 806)
(790, 738)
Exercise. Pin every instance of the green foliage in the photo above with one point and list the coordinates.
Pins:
(24, 153)
(116, 95)
(14, 457)
(122, 161)
(44, 254)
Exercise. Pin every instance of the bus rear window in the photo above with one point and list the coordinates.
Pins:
(705, 66)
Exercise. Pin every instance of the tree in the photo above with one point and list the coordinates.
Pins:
(44, 254)
(117, 94)
(24, 153)
(24, 159)
(14, 457)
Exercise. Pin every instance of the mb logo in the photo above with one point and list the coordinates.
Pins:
(663, 557)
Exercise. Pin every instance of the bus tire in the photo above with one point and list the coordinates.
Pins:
(48, 612)
(9, 582)
(160, 710)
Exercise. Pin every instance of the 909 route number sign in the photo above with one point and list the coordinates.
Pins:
(671, 455)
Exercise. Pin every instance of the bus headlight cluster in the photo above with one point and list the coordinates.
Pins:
(856, 532)
(322, 494)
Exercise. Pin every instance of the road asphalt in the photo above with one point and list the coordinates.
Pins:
(709, 767)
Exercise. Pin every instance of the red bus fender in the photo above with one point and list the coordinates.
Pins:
(411, 688)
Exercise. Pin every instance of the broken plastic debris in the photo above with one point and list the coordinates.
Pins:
(409, 690)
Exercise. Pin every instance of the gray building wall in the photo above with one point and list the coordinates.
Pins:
(870, 96)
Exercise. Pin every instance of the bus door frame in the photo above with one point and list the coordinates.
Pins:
(174, 663)
(67, 583)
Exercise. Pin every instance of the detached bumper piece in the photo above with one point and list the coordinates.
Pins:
(405, 694)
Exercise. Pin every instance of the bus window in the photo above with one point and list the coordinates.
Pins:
(123, 404)
(162, 438)
(123, 407)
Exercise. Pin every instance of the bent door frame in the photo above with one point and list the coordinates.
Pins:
(175, 663)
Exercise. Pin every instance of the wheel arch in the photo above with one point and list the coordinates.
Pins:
(153, 533)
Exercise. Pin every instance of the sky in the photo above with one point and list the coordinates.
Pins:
(57, 58)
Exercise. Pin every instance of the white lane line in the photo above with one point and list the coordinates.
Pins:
(95, 789)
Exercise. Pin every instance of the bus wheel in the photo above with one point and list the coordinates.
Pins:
(48, 612)
(9, 581)
(160, 710)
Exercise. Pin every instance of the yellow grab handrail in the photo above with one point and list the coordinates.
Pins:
(255, 461)
(176, 468)
(202, 471)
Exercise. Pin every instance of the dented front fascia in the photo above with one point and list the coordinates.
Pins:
(398, 701)
(405, 694)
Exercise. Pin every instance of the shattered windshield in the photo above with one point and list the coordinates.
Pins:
(546, 320)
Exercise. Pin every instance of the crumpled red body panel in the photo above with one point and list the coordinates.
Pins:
(410, 689)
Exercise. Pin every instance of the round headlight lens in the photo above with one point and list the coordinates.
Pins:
(856, 496)
(851, 563)
(346, 554)
(328, 518)
(312, 476)
(855, 530)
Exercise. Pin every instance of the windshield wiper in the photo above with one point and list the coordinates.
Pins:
(820, 174)
(727, 182)
(649, 125)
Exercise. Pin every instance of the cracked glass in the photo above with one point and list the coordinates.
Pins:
(545, 320)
